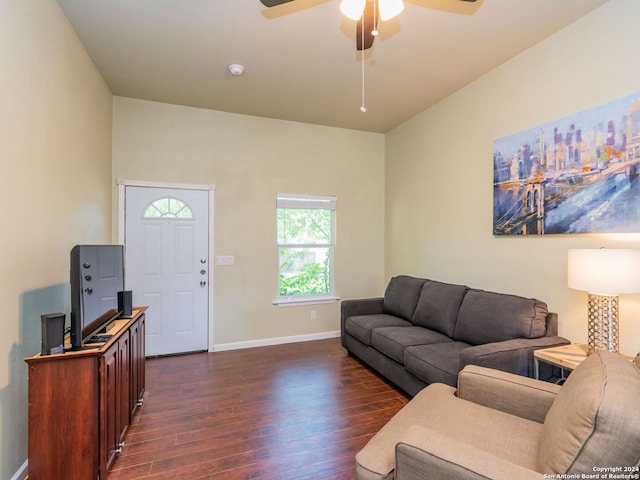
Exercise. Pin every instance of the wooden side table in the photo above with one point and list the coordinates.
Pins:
(565, 357)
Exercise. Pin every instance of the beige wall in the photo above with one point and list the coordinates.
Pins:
(249, 160)
(55, 149)
(439, 169)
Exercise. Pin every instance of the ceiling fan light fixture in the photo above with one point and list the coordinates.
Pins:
(352, 8)
(390, 8)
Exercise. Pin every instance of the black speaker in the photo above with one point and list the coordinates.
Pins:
(124, 303)
(52, 333)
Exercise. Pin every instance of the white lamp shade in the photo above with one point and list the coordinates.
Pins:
(604, 271)
(389, 8)
(352, 8)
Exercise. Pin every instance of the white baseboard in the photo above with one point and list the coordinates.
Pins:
(221, 347)
(21, 474)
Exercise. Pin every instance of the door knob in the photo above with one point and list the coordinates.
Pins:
(202, 283)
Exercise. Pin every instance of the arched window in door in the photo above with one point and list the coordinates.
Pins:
(168, 207)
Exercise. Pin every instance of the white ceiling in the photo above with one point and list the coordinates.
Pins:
(300, 58)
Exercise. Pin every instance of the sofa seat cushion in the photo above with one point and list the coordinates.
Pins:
(487, 317)
(401, 296)
(595, 420)
(360, 326)
(435, 363)
(438, 409)
(392, 341)
(438, 306)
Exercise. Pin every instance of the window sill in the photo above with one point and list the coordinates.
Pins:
(301, 301)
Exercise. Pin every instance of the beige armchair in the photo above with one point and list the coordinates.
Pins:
(503, 426)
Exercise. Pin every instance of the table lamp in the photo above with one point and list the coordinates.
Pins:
(604, 274)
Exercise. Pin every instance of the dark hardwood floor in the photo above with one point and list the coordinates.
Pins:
(287, 412)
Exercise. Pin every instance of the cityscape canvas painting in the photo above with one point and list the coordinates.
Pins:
(579, 174)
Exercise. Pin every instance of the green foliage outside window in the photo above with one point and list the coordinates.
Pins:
(305, 242)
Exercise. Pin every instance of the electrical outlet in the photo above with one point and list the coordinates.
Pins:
(313, 315)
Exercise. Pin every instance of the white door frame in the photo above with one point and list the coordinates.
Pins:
(122, 183)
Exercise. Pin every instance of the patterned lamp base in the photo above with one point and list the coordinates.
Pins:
(603, 323)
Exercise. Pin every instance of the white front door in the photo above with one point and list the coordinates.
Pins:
(166, 239)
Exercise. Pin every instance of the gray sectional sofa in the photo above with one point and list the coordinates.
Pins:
(424, 331)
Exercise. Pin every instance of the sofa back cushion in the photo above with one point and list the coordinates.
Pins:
(486, 317)
(401, 296)
(595, 420)
(438, 306)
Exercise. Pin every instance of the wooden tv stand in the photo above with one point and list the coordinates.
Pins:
(81, 403)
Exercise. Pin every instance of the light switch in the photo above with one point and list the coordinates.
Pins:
(225, 260)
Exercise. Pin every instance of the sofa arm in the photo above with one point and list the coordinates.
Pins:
(424, 454)
(507, 392)
(515, 356)
(364, 306)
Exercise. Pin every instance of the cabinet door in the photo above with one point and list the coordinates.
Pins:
(124, 385)
(63, 417)
(142, 355)
(133, 399)
(109, 434)
(115, 400)
(140, 359)
(137, 366)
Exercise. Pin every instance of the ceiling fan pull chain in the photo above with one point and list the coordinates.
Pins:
(374, 32)
(363, 109)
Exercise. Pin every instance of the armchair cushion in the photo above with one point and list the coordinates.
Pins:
(594, 415)
(424, 453)
(438, 409)
(507, 392)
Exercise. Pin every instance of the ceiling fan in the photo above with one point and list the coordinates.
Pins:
(366, 12)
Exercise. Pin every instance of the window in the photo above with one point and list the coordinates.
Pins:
(168, 207)
(306, 238)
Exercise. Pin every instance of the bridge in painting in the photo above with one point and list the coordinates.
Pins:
(541, 193)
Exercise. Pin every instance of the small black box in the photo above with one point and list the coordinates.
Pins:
(52, 333)
(125, 303)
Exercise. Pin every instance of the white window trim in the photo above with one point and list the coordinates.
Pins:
(310, 202)
(302, 300)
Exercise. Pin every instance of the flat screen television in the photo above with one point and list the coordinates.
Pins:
(97, 275)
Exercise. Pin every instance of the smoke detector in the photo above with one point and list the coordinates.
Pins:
(235, 69)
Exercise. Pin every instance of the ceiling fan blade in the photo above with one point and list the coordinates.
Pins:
(275, 3)
(367, 23)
